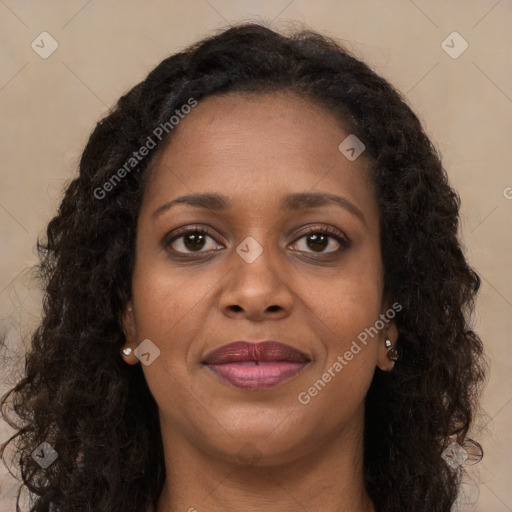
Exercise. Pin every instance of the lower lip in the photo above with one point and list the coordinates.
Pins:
(250, 375)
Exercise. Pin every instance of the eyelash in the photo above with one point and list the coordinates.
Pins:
(324, 230)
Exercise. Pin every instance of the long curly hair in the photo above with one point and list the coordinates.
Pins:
(79, 396)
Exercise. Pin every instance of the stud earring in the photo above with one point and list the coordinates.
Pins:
(392, 351)
(126, 351)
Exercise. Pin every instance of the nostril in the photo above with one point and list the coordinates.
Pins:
(236, 308)
(273, 308)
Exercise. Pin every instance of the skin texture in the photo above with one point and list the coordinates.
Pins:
(256, 149)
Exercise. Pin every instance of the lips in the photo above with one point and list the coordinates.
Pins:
(265, 351)
(256, 365)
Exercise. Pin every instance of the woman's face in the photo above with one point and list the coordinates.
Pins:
(256, 275)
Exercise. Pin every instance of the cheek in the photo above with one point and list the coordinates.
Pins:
(345, 312)
(167, 310)
(347, 361)
(167, 299)
(351, 299)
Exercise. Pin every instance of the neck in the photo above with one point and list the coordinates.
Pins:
(328, 478)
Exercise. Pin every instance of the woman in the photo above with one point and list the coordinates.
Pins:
(255, 297)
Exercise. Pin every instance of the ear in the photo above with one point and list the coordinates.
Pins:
(390, 332)
(128, 325)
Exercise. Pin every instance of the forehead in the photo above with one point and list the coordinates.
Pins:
(257, 145)
(278, 123)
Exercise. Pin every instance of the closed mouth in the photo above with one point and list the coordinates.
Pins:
(256, 365)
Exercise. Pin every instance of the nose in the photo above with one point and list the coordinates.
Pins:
(256, 290)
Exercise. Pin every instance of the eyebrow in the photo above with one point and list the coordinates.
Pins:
(291, 202)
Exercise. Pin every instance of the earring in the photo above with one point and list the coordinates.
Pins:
(126, 351)
(392, 351)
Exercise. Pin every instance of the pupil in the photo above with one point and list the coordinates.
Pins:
(196, 239)
(317, 242)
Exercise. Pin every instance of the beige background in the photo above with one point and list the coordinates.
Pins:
(49, 106)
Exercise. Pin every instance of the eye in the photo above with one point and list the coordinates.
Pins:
(318, 239)
(192, 239)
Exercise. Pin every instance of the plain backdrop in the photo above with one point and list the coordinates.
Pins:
(458, 84)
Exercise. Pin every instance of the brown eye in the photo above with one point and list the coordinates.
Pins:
(192, 240)
(317, 240)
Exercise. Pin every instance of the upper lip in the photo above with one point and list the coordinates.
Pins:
(243, 351)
